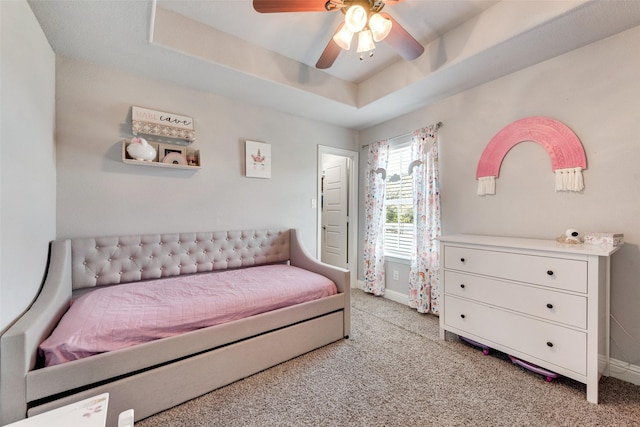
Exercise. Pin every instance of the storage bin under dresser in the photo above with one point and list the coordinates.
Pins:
(539, 300)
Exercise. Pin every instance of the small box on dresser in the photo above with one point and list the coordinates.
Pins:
(538, 300)
(604, 239)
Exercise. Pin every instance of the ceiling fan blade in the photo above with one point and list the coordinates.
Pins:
(402, 41)
(330, 52)
(275, 6)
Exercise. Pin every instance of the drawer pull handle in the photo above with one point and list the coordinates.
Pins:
(462, 285)
(549, 344)
(550, 272)
(549, 305)
(461, 259)
(462, 315)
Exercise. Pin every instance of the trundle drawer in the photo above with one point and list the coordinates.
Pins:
(547, 304)
(555, 344)
(561, 273)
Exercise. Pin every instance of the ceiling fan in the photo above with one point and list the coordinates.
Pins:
(362, 17)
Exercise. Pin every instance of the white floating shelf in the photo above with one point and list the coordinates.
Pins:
(131, 161)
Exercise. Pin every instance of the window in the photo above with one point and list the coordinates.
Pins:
(398, 229)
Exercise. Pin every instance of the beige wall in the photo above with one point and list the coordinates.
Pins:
(27, 156)
(594, 90)
(98, 194)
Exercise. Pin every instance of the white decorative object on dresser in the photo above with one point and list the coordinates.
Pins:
(538, 300)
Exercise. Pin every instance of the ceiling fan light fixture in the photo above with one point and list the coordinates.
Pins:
(343, 38)
(355, 19)
(365, 41)
(380, 27)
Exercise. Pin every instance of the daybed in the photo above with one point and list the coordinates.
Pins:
(159, 374)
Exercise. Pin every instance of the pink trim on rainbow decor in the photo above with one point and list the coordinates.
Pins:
(563, 146)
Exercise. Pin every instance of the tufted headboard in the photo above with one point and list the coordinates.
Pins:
(99, 261)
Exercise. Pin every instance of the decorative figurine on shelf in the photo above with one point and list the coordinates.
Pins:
(140, 149)
(192, 159)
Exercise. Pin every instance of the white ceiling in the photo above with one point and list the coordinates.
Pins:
(303, 36)
(225, 47)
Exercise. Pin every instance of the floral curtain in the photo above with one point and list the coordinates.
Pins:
(424, 275)
(375, 218)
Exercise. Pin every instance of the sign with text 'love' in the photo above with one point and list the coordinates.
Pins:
(152, 122)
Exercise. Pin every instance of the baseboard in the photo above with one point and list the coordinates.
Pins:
(396, 296)
(624, 371)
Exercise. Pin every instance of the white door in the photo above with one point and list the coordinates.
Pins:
(335, 214)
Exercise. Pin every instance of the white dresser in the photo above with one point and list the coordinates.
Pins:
(538, 300)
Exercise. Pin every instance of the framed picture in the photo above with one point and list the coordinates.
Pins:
(258, 159)
(173, 154)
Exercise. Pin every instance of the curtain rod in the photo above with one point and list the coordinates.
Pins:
(404, 135)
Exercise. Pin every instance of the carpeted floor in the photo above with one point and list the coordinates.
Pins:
(395, 371)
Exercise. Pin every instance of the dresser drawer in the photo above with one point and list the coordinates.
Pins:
(547, 304)
(555, 344)
(561, 273)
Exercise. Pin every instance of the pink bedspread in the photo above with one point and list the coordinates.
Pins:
(123, 316)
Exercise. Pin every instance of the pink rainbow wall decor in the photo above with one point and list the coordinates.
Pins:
(565, 151)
